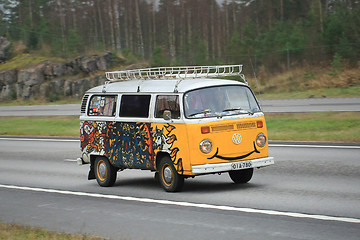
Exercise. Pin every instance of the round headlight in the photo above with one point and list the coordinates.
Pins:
(261, 140)
(205, 146)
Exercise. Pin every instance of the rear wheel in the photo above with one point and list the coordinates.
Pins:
(169, 179)
(105, 173)
(241, 176)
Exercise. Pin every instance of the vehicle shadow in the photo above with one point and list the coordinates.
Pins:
(140, 183)
(213, 187)
(149, 183)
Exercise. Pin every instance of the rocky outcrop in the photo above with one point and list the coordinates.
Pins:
(52, 80)
(8, 81)
(29, 81)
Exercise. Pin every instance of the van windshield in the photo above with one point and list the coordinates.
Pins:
(220, 101)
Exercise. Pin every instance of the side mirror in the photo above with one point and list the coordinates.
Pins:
(167, 115)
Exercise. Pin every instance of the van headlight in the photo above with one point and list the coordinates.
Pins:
(261, 140)
(206, 146)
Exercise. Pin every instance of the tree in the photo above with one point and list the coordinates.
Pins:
(140, 43)
(159, 59)
(188, 31)
(75, 43)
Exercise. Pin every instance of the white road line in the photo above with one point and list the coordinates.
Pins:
(313, 146)
(70, 160)
(41, 139)
(188, 204)
(270, 145)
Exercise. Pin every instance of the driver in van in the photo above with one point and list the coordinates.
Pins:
(216, 99)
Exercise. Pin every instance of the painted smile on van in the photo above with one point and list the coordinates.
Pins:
(234, 158)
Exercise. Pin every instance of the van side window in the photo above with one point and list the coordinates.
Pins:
(135, 106)
(102, 106)
(167, 102)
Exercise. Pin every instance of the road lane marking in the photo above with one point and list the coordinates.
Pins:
(188, 204)
(270, 144)
(70, 160)
(312, 146)
(41, 139)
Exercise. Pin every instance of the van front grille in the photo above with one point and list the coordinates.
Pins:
(246, 125)
(221, 128)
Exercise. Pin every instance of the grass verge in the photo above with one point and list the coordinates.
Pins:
(63, 126)
(16, 232)
(307, 82)
(324, 126)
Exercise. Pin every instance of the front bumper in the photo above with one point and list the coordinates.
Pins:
(81, 161)
(225, 167)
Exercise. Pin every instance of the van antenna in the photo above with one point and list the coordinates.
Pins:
(257, 84)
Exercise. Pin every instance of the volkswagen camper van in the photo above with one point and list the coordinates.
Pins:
(178, 122)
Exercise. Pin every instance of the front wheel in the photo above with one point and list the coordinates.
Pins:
(241, 176)
(105, 173)
(169, 179)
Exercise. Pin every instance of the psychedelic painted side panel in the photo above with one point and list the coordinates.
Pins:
(172, 138)
(127, 145)
(130, 145)
(133, 145)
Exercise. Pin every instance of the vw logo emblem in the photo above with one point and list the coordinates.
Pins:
(236, 138)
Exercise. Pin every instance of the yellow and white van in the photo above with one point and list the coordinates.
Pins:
(179, 122)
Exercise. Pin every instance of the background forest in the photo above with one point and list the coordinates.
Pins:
(265, 34)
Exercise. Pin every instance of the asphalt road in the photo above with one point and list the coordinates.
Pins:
(270, 106)
(311, 105)
(41, 110)
(312, 192)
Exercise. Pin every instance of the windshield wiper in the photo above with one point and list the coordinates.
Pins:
(201, 112)
(238, 109)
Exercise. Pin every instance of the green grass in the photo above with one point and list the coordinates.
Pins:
(307, 82)
(16, 232)
(325, 126)
(40, 126)
(25, 60)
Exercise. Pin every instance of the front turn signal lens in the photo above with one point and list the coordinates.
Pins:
(205, 129)
(259, 124)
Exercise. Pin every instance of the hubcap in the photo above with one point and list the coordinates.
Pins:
(102, 170)
(167, 174)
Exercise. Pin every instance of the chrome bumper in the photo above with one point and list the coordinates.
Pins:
(225, 167)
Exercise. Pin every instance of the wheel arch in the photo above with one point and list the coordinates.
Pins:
(158, 158)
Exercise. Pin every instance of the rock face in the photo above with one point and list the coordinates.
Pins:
(8, 84)
(54, 81)
(29, 81)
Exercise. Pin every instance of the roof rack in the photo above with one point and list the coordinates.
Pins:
(176, 72)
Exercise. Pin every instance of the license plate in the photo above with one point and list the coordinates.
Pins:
(241, 165)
